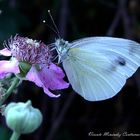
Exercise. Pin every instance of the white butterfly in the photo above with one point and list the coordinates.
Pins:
(98, 67)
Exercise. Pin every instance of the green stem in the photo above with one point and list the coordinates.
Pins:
(10, 90)
(15, 136)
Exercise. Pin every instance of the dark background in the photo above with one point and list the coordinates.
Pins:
(70, 117)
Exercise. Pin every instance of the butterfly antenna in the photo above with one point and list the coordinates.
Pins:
(56, 29)
(52, 29)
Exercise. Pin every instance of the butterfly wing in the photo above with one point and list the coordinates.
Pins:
(98, 67)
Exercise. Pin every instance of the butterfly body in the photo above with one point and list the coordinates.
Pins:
(62, 48)
(98, 67)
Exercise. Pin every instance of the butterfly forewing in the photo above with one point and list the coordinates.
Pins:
(98, 67)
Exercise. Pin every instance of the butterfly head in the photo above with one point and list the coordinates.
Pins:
(62, 48)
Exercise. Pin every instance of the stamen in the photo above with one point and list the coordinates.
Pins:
(28, 50)
(5, 44)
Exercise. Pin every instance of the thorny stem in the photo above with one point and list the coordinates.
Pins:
(10, 90)
(15, 136)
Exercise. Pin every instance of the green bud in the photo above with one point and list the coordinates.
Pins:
(22, 117)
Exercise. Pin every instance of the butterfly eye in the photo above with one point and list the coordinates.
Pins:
(62, 42)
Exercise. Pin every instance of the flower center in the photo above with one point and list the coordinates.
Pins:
(28, 50)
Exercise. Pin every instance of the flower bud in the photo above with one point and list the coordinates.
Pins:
(22, 117)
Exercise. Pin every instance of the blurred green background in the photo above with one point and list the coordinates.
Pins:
(71, 117)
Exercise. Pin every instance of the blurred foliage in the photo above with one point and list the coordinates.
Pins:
(4, 133)
(75, 19)
(11, 20)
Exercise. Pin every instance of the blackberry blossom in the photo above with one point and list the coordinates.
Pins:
(28, 50)
(33, 58)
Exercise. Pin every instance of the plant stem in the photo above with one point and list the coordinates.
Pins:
(15, 136)
(10, 90)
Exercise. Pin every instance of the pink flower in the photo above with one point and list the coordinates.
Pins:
(43, 72)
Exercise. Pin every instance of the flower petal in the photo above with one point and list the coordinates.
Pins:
(8, 67)
(34, 77)
(52, 77)
(50, 93)
(5, 52)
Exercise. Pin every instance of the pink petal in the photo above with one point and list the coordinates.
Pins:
(5, 52)
(50, 93)
(8, 67)
(57, 70)
(52, 77)
(34, 77)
